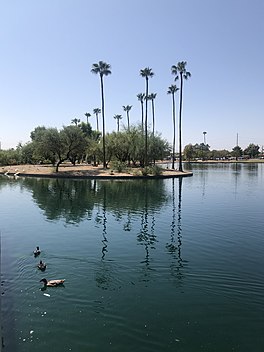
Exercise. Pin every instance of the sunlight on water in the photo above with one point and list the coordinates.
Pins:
(154, 265)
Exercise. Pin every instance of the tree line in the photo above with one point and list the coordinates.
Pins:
(80, 143)
(202, 151)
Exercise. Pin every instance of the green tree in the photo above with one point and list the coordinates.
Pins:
(86, 129)
(97, 111)
(189, 152)
(180, 69)
(141, 97)
(118, 118)
(252, 150)
(103, 69)
(146, 73)
(172, 90)
(67, 144)
(127, 108)
(237, 152)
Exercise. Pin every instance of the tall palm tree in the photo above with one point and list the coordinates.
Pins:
(180, 69)
(97, 111)
(127, 108)
(152, 97)
(117, 118)
(87, 114)
(141, 97)
(103, 69)
(75, 121)
(172, 90)
(146, 73)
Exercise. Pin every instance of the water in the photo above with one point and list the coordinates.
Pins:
(155, 265)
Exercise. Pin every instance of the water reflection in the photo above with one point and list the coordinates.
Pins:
(146, 236)
(175, 246)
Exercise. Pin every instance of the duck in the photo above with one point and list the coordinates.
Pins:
(37, 251)
(52, 283)
(42, 266)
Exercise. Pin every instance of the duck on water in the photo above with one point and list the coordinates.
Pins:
(41, 266)
(37, 251)
(52, 283)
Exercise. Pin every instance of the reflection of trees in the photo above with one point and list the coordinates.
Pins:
(146, 236)
(75, 200)
(68, 199)
(175, 246)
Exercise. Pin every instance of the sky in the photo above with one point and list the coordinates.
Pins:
(47, 49)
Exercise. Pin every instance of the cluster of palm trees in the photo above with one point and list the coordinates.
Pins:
(179, 71)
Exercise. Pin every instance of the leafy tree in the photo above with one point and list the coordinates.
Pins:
(27, 153)
(127, 108)
(97, 111)
(237, 152)
(120, 146)
(141, 97)
(9, 157)
(118, 118)
(252, 150)
(67, 144)
(41, 153)
(146, 73)
(73, 142)
(172, 90)
(152, 97)
(86, 129)
(158, 147)
(103, 69)
(189, 152)
(180, 69)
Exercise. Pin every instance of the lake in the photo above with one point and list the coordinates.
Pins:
(150, 265)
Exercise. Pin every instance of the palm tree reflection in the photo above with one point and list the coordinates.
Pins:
(175, 246)
(145, 237)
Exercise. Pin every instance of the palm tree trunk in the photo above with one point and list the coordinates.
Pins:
(97, 122)
(180, 123)
(174, 128)
(142, 116)
(128, 121)
(146, 125)
(103, 116)
(153, 117)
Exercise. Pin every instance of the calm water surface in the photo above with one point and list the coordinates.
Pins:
(154, 265)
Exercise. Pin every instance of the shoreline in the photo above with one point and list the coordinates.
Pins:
(83, 171)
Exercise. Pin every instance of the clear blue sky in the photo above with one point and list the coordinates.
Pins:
(47, 49)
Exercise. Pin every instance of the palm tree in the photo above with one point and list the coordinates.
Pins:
(97, 111)
(152, 97)
(75, 121)
(180, 69)
(141, 97)
(87, 114)
(127, 108)
(146, 73)
(103, 69)
(172, 90)
(118, 118)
